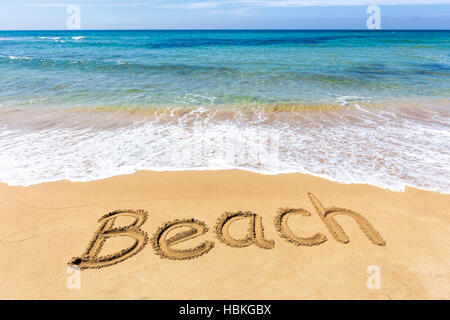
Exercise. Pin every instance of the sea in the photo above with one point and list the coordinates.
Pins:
(369, 107)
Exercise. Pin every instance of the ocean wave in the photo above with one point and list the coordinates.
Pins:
(19, 58)
(62, 39)
(389, 147)
(332, 96)
(50, 38)
(10, 38)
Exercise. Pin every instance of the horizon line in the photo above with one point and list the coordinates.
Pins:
(225, 29)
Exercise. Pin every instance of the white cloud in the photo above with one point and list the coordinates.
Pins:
(46, 5)
(192, 5)
(201, 5)
(313, 3)
(296, 3)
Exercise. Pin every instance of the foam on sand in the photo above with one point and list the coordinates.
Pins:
(390, 147)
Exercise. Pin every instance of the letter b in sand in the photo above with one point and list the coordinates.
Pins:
(90, 258)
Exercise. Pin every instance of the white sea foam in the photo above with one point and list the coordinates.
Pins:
(389, 148)
(346, 100)
(78, 38)
(19, 58)
(50, 38)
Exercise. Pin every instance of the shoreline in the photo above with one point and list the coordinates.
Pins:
(44, 226)
(192, 170)
(389, 147)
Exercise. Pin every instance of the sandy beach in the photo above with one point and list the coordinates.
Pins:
(45, 226)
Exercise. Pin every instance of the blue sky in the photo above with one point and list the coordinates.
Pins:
(227, 14)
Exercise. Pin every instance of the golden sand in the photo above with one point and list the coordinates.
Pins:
(223, 235)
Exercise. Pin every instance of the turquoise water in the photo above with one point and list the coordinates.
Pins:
(166, 68)
(351, 106)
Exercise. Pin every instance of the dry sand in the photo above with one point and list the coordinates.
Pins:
(44, 226)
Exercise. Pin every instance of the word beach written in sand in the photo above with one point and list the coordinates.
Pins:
(169, 234)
